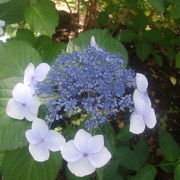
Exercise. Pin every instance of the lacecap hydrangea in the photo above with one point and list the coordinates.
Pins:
(92, 81)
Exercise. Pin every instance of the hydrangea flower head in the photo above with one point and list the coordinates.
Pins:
(93, 80)
(33, 75)
(2, 24)
(43, 140)
(143, 114)
(85, 153)
(23, 104)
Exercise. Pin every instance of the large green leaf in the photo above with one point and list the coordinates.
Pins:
(177, 172)
(15, 56)
(175, 12)
(3, 1)
(146, 173)
(12, 132)
(168, 146)
(19, 164)
(128, 36)
(48, 49)
(158, 4)
(42, 17)
(103, 39)
(13, 11)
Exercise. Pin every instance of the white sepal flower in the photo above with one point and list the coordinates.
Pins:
(94, 44)
(23, 104)
(33, 75)
(42, 140)
(2, 24)
(143, 114)
(85, 153)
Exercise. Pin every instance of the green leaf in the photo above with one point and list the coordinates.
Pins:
(12, 132)
(168, 146)
(128, 36)
(175, 11)
(153, 36)
(103, 39)
(103, 18)
(42, 17)
(127, 158)
(143, 50)
(13, 11)
(15, 56)
(2, 154)
(48, 49)
(164, 165)
(177, 172)
(3, 1)
(20, 165)
(142, 151)
(158, 4)
(146, 173)
(140, 21)
(158, 59)
(178, 60)
(25, 35)
(124, 134)
(171, 53)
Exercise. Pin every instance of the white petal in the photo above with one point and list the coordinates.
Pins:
(54, 140)
(147, 100)
(22, 93)
(2, 23)
(29, 74)
(93, 42)
(29, 116)
(1, 31)
(33, 105)
(40, 126)
(39, 152)
(141, 82)
(95, 144)
(80, 140)
(41, 71)
(69, 152)
(15, 110)
(81, 167)
(100, 159)
(137, 124)
(32, 136)
(150, 118)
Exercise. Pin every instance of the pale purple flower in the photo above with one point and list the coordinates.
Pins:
(2, 24)
(143, 113)
(33, 75)
(85, 153)
(42, 140)
(23, 104)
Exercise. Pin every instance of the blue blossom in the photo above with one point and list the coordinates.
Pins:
(93, 80)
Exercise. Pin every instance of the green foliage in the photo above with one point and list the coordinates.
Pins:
(20, 165)
(15, 56)
(128, 36)
(103, 39)
(12, 132)
(168, 146)
(42, 17)
(177, 172)
(178, 59)
(158, 4)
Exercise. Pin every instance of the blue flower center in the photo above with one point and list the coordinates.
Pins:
(85, 154)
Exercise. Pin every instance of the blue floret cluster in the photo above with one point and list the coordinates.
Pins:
(93, 81)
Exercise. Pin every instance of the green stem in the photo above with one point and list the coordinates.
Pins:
(99, 174)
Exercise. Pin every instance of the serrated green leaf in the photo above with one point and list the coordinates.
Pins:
(48, 49)
(158, 4)
(20, 165)
(128, 36)
(25, 35)
(42, 17)
(168, 146)
(177, 172)
(12, 132)
(146, 173)
(15, 56)
(13, 11)
(178, 60)
(143, 50)
(103, 39)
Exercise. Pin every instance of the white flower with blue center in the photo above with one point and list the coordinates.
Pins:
(2, 24)
(85, 153)
(33, 75)
(143, 114)
(23, 104)
(42, 140)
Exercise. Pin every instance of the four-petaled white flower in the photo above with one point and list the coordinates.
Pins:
(143, 114)
(85, 153)
(2, 24)
(32, 75)
(23, 104)
(42, 140)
